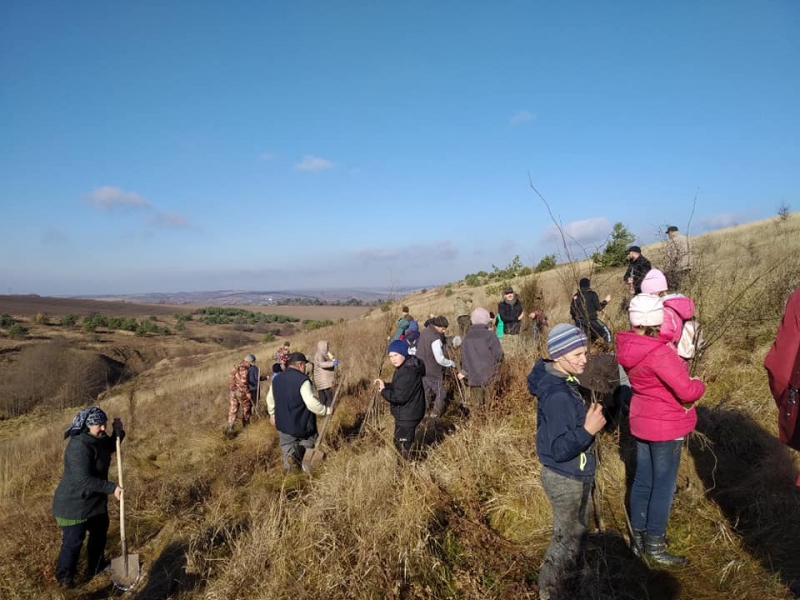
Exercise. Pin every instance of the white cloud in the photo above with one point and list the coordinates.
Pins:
(520, 117)
(267, 156)
(313, 163)
(722, 220)
(110, 198)
(168, 220)
(583, 232)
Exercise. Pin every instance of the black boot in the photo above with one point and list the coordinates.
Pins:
(637, 542)
(656, 548)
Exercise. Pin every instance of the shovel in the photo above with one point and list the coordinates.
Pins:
(313, 457)
(124, 569)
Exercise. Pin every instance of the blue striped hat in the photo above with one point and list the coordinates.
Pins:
(563, 339)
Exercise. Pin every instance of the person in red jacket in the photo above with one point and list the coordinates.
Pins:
(783, 367)
(661, 414)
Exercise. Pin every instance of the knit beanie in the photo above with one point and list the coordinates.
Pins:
(399, 346)
(479, 316)
(654, 282)
(250, 358)
(584, 283)
(563, 339)
(646, 310)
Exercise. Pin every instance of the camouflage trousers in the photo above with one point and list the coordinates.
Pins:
(240, 399)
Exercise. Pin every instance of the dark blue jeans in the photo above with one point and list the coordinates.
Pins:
(654, 484)
(71, 543)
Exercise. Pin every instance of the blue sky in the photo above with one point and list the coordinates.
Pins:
(182, 146)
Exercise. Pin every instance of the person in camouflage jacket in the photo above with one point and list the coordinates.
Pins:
(239, 394)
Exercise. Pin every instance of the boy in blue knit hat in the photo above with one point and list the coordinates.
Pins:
(405, 395)
(565, 430)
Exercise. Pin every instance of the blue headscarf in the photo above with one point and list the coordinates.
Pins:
(93, 415)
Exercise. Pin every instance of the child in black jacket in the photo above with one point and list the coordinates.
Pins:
(405, 394)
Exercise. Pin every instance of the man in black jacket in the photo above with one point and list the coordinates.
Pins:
(80, 504)
(638, 266)
(510, 312)
(405, 395)
(293, 410)
(584, 307)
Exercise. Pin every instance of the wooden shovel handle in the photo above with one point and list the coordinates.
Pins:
(121, 505)
(328, 418)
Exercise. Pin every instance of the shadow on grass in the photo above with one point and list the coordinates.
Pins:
(750, 475)
(621, 575)
(167, 575)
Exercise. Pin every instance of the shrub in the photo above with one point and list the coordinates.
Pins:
(614, 253)
(69, 320)
(268, 337)
(548, 262)
(311, 324)
(783, 212)
(6, 321)
(17, 331)
(41, 319)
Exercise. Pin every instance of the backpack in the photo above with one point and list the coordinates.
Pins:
(691, 340)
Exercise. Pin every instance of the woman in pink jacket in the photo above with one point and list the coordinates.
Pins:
(661, 414)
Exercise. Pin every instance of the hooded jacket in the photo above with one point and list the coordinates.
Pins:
(677, 309)
(783, 368)
(405, 393)
(83, 490)
(562, 443)
(662, 406)
(586, 304)
(637, 269)
(323, 367)
(480, 354)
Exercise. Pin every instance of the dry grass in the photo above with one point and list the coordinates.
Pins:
(216, 518)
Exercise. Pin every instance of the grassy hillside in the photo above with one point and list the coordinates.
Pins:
(213, 517)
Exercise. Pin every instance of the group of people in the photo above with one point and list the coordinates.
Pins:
(660, 415)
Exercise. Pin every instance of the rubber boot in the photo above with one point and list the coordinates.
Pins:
(656, 548)
(245, 423)
(637, 542)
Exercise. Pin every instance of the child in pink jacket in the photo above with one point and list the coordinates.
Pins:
(678, 309)
(661, 415)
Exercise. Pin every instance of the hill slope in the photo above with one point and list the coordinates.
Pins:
(216, 518)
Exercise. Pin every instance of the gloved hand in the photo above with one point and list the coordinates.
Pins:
(336, 362)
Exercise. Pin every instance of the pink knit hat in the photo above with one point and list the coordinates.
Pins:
(654, 282)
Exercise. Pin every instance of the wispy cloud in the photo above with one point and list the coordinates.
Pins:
(413, 254)
(520, 117)
(54, 237)
(313, 163)
(583, 232)
(267, 156)
(112, 198)
(168, 220)
(722, 220)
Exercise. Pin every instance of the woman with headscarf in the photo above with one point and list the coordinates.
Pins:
(80, 504)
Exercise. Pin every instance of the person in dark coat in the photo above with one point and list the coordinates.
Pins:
(638, 266)
(432, 350)
(405, 395)
(583, 309)
(510, 311)
(565, 432)
(481, 354)
(80, 503)
(293, 411)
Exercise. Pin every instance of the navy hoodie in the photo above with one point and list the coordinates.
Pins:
(562, 443)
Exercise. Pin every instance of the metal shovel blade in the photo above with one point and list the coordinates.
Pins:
(312, 459)
(125, 573)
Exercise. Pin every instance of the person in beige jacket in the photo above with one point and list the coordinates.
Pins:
(324, 372)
